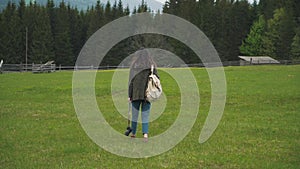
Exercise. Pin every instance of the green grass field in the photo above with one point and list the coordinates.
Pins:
(260, 127)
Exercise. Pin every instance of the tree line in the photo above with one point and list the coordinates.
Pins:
(52, 32)
(235, 27)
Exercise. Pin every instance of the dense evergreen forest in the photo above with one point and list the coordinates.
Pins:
(235, 27)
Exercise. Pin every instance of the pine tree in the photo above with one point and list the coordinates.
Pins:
(2, 32)
(22, 14)
(187, 10)
(63, 46)
(143, 7)
(108, 13)
(11, 40)
(83, 22)
(120, 9)
(223, 20)
(255, 10)
(126, 11)
(279, 35)
(51, 12)
(42, 41)
(252, 45)
(114, 11)
(77, 36)
(286, 34)
(21, 9)
(96, 19)
(240, 22)
(267, 7)
(134, 10)
(295, 47)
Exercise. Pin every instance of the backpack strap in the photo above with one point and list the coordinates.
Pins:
(152, 69)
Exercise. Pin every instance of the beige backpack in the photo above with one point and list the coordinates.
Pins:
(154, 88)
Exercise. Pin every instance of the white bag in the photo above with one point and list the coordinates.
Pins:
(154, 88)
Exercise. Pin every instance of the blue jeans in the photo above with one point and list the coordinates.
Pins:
(145, 107)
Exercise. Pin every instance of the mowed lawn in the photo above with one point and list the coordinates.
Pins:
(260, 127)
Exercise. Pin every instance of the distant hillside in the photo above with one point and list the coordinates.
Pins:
(83, 4)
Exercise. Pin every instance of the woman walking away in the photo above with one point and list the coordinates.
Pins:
(138, 78)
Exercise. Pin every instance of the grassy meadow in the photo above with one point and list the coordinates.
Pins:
(260, 127)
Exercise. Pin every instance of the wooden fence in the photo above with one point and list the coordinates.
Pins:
(35, 68)
(51, 67)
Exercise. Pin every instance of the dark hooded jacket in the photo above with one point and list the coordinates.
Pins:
(138, 80)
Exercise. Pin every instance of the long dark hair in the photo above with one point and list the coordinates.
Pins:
(143, 59)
